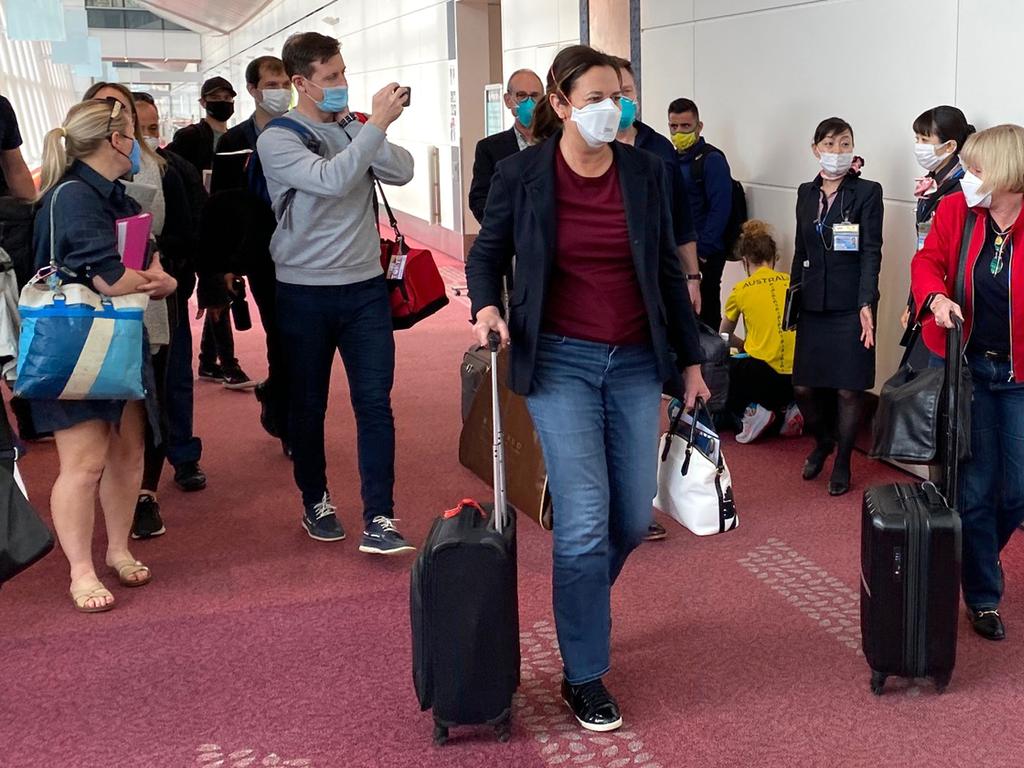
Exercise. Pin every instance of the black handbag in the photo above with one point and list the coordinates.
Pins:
(24, 537)
(912, 406)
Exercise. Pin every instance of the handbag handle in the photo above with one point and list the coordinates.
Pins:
(700, 407)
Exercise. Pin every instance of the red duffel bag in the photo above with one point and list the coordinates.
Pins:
(415, 286)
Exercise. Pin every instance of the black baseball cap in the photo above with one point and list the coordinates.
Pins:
(216, 84)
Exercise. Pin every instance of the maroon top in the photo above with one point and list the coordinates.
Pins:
(594, 293)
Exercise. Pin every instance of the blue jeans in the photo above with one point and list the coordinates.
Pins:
(596, 410)
(182, 446)
(316, 321)
(992, 496)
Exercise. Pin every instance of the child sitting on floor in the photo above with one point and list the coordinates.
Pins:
(760, 377)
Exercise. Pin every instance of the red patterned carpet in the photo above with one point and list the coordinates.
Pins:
(255, 646)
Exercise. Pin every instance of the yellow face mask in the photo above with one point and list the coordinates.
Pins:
(683, 141)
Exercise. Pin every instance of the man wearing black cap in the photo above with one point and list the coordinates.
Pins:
(197, 143)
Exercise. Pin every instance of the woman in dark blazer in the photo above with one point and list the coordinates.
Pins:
(836, 262)
(599, 320)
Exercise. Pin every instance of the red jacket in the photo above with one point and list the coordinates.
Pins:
(934, 269)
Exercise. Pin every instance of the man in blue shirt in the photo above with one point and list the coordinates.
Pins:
(709, 183)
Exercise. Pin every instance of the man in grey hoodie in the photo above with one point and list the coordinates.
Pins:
(331, 292)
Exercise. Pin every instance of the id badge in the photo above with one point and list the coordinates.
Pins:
(922, 232)
(846, 237)
(396, 269)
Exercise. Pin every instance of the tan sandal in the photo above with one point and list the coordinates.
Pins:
(81, 596)
(127, 569)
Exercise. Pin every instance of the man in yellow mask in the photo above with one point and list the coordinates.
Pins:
(710, 186)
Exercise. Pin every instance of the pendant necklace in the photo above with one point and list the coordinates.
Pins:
(1001, 243)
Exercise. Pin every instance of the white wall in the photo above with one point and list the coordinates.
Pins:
(40, 91)
(765, 72)
(382, 41)
(532, 32)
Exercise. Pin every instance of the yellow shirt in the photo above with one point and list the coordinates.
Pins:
(761, 299)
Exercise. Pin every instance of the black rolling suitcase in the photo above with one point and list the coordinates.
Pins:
(910, 562)
(465, 608)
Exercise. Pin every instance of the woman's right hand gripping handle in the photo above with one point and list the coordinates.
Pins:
(944, 310)
(488, 320)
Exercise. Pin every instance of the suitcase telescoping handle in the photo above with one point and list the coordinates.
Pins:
(500, 498)
(954, 393)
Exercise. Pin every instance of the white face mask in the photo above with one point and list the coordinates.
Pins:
(971, 185)
(153, 142)
(276, 100)
(598, 123)
(835, 164)
(927, 157)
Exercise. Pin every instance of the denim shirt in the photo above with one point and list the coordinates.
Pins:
(85, 233)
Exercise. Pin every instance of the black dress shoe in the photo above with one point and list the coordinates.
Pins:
(839, 483)
(655, 532)
(816, 461)
(189, 477)
(988, 624)
(595, 709)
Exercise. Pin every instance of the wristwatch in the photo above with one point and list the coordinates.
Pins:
(695, 276)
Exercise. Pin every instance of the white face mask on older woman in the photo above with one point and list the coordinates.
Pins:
(971, 185)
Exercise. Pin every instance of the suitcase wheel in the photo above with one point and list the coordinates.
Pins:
(440, 734)
(941, 683)
(878, 683)
(504, 730)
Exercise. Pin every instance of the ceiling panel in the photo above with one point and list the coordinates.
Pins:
(222, 16)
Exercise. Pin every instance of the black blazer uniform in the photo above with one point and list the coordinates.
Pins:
(521, 219)
(489, 152)
(836, 284)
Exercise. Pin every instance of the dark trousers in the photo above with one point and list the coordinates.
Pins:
(316, 321)
(156, 450)
(218, 343)
(182, 446)
(711, 268)
(754, 381)
(263, 287)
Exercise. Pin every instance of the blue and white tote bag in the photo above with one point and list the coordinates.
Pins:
(76, 344)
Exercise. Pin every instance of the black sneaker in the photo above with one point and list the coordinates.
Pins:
(382, 538)
(211, 372)
(595, 709)
(189, 477)
(147, 523)
(655, 532)
(236, 378)
(321, 521)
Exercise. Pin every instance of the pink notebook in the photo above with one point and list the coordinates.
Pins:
(133, 239)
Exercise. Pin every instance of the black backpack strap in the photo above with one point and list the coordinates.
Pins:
(309, 139)
(697, 167)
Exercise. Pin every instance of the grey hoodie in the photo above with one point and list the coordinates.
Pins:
(326, 234)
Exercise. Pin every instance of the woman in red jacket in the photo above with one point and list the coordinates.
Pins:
(992, 310)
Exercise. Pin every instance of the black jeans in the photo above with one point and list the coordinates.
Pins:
(263, 286)
(754, 381)
(355, 320)
(711, 268)
(182, 446)
(218, 343)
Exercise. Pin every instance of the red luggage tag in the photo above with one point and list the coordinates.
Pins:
(450, 513)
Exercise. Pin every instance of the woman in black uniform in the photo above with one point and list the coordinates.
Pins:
(836, 262)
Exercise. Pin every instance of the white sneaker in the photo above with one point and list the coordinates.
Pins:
(756, 419)
(793, 425)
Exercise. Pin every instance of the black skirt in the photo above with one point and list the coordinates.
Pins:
(829, 353)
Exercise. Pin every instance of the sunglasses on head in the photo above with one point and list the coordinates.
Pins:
(116, 107)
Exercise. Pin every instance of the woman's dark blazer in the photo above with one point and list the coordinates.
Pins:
(838, 281)
(521, 219)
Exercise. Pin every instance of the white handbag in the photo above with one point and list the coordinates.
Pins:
(694, 485)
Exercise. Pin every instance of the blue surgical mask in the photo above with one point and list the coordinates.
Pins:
(628, 117)
(136, 157)
(335, 98)
(524, 111)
